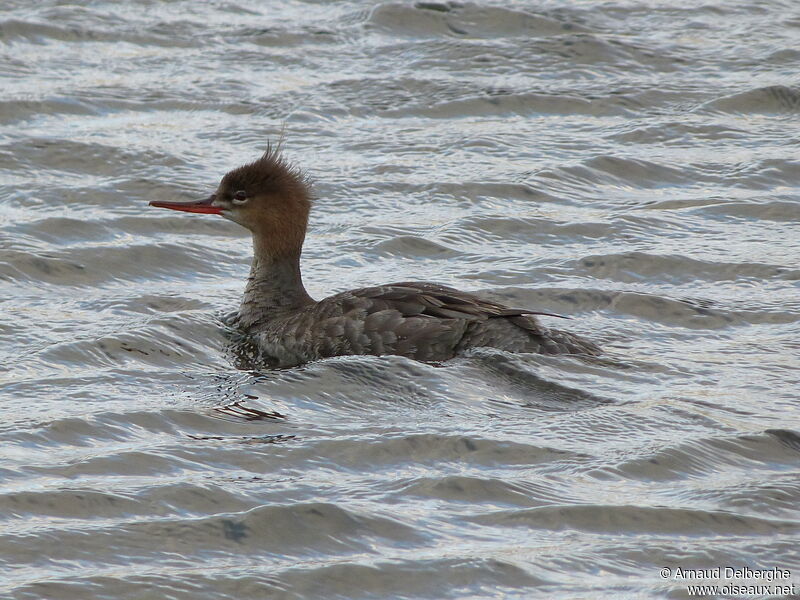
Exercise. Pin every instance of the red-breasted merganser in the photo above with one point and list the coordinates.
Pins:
(424, 321)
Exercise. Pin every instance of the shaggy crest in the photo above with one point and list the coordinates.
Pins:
(270, 174)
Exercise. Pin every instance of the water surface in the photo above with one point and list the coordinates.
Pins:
(631, 164)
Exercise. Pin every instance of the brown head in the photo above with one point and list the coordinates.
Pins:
(267, 196)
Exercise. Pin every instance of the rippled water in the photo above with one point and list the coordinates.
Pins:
(632, 164)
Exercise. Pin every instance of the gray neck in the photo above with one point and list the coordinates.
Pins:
(274, 287)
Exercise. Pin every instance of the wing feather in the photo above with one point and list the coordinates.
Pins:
(429, 299)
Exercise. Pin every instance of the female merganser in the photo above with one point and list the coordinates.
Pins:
(423, 321)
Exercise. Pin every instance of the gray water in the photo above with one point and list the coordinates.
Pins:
(631, 164)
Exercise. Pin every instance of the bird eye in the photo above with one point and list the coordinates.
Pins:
(240, 197)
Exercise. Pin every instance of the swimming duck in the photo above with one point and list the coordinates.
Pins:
(423, 321)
